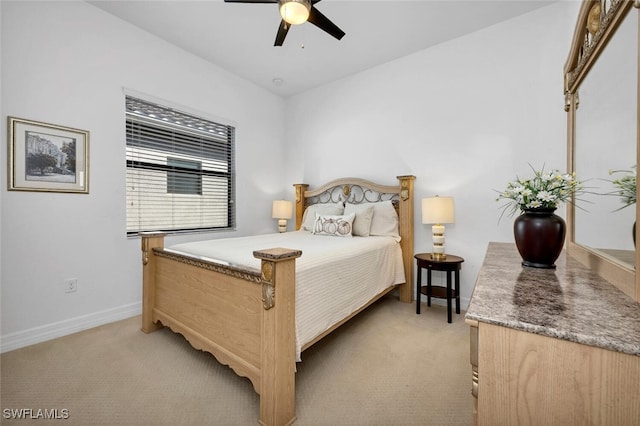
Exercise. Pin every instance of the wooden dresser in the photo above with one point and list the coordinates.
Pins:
(552, 347)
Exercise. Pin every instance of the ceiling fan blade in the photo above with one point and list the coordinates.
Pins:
(251, 1)
(282, 33)
(322, 22)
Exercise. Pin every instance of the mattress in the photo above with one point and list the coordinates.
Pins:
(335, 276)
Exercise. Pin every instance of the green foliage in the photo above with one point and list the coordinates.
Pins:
(626, 186)
(542, 190)
(40, 162)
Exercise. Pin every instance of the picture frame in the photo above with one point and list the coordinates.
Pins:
(47, 157)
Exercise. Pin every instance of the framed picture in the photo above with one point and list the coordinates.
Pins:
(47, 157)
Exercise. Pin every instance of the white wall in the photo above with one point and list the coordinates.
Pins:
(464, 117)
(67, 63)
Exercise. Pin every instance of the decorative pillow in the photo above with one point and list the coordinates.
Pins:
(364, 215)
(337, 226)
(385, 220)
(309, 216)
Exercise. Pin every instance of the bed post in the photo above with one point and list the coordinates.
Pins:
(405, 213)
(278, 361)
(150, 240)
(300, 202)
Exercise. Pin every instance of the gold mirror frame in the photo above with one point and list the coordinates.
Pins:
(596, 25)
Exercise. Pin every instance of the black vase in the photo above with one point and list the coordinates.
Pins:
(539, 235)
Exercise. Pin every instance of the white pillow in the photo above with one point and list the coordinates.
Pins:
(334, 225)
(385, 220)
(364, 215)
(309, 216)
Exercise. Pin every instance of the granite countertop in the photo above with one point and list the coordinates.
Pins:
(569, 302)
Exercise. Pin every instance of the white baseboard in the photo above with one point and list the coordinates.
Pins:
(43, 333)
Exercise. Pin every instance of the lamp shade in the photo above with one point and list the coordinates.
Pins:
(438, 210)
(295, 12)
(282, 209)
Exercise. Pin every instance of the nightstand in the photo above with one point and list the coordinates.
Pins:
(450, 264)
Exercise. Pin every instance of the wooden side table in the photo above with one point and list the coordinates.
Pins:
(449, 264)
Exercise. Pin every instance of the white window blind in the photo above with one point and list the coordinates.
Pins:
(180, 170)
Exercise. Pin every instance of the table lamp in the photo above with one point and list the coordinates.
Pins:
(282, 210)
(437, 210)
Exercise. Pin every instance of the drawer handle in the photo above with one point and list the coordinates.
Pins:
(474, 360)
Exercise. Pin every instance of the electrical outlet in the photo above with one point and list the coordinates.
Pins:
(70, 285)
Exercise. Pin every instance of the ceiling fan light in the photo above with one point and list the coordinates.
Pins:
(295, 12)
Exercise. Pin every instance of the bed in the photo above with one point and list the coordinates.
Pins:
(258, 313)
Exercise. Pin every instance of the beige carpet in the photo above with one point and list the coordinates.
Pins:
(387, 366)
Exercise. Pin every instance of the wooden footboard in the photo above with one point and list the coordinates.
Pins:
(245, 318)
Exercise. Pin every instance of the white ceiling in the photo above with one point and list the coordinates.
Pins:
(239, 37)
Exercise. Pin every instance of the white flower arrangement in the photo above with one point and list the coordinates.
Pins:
(543, 190)
(626, 186)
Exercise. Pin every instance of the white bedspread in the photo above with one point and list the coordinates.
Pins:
(334, 276)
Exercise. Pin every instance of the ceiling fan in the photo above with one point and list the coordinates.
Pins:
(296, 12)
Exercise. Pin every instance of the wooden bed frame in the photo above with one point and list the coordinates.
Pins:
(246, 318)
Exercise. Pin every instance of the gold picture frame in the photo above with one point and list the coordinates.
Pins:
(47, 158)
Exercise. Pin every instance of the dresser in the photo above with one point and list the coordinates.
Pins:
(552, 346)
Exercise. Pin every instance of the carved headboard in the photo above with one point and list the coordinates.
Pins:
(355, 191)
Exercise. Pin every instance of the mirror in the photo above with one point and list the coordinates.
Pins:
(601, 99)
(605, 140)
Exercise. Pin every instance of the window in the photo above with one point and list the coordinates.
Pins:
(184, 177)
(180, 170)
